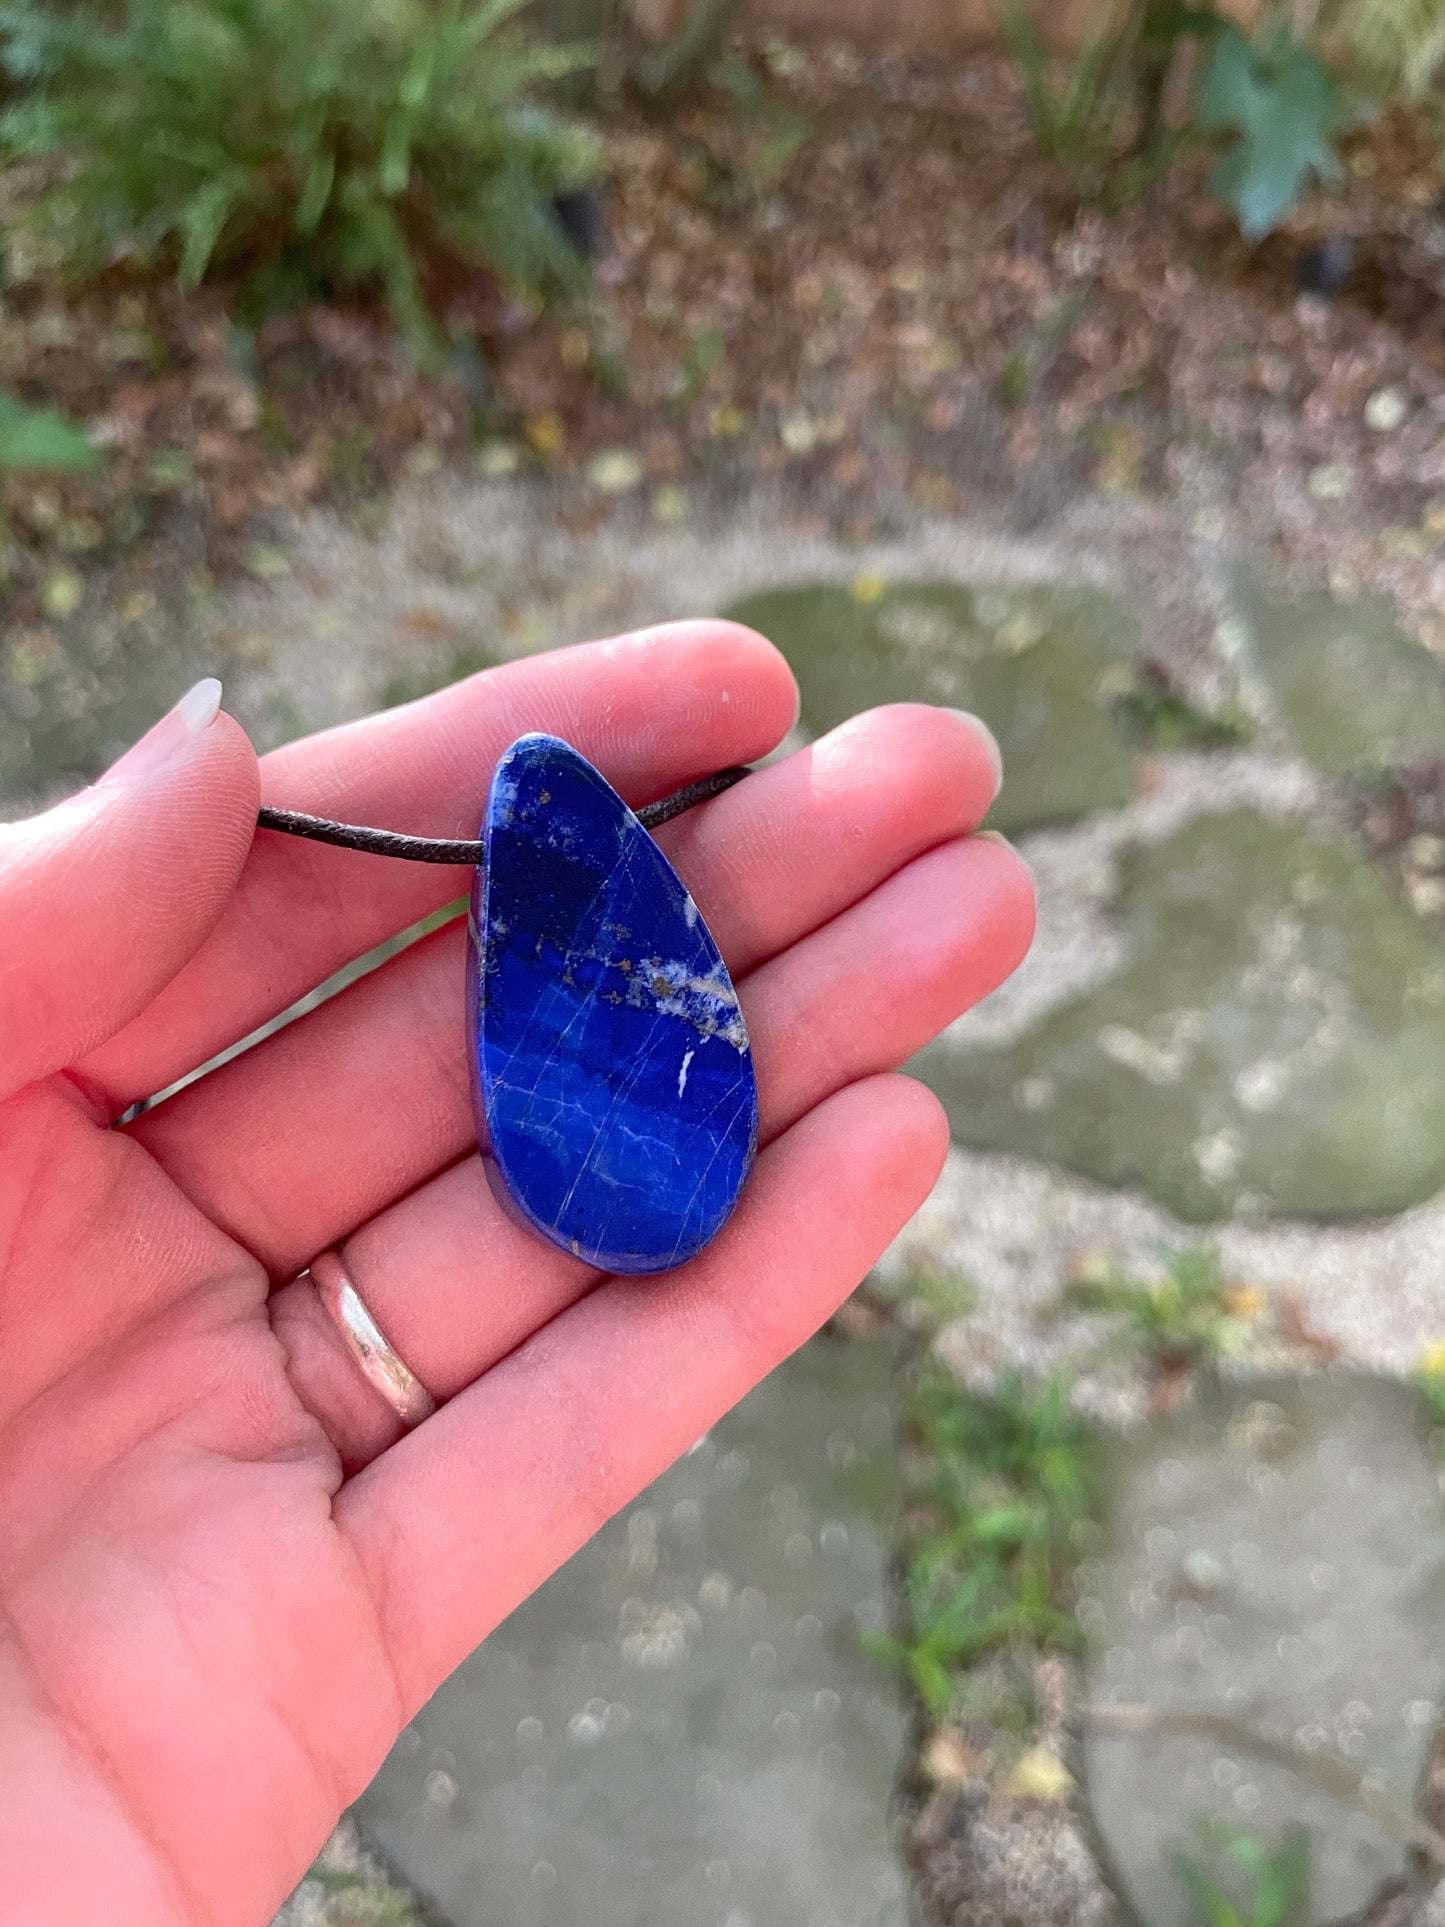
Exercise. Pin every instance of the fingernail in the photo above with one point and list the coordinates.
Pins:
(990, 743)
(174, 733)
(997, 836)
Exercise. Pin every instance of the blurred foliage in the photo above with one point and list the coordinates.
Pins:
(365, 1898)
(1102, 117)
(668, 72)
(657, 50)
(353, 1901)
(409, 685)
(1156, 713)
(1010, 1476)
(933, 1294)
(313, 146)
(1430, 1379)
(775, 131)
(1129, 104)
(1273, 100)
(1244, 1884)
(1187, 1313)
(1396, 46)
(1009, 1479)
(40, 439)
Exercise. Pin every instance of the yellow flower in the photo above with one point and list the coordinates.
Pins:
(1432, 1359)
(868, 586)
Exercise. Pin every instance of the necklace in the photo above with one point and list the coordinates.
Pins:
(612, 1080)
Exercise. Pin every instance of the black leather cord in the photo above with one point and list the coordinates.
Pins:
(432, 849)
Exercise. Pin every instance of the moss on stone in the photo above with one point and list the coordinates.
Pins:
(1045, 667)
(1275, 1043)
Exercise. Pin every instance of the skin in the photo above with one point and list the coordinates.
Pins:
(226, 1577)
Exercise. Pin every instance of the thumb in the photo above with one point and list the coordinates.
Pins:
(105, 897)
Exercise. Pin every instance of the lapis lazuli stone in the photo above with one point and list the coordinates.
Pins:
(612, 1079)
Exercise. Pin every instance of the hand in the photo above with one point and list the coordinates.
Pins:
(226, 1580)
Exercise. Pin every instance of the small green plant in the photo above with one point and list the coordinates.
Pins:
(367, 1901)
(41, 439)
(669, 71)
(1104, 117)
(1184, 1314)
(1430, 1381)
(926, 1295)
(1050, 333)
(1273, 100)
(1073, 112)
(1245, 1884)
(773, 132)
(659, 51)
(1010, 1478)
(1155, 713)
(308, 145)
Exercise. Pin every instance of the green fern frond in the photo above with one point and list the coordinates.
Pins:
(353, 141)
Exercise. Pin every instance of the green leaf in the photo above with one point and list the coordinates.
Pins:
(395, 165)
(1006, 1524)
(485, 20)
(1229, 92)
(1283, 1889)
(932, 1681)
(315, 192)
(201, 223)
(42, 439)
(1273, 95)
(1276, 1885)
(1208, 1906)
(882, 1646)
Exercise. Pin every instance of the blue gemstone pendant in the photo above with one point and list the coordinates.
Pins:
(612, 1078)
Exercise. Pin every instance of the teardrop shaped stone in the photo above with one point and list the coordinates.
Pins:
(613, 1082)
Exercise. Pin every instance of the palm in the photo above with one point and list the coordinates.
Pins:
(225, 1578)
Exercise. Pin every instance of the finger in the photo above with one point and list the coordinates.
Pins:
(782, 853)
(652, 710)
(941, 934)
(104, 898)
(470, 1513)
(325, 1124)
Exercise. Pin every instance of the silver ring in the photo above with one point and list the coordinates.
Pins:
(395, 1380)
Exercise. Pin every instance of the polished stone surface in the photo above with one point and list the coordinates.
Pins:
(612, 1078)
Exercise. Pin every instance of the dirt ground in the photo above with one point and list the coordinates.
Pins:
(846, 276)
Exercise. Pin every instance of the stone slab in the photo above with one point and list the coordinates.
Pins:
(1274, 1554)
(1354, 692)
(1272, 1045)
(682, 1725)
(1042, 665)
